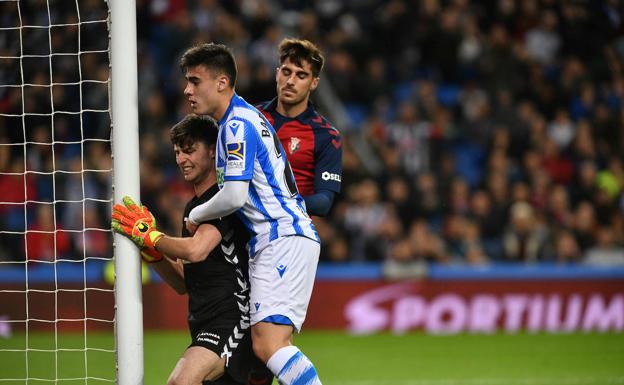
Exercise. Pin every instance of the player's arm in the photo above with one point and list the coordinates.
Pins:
(138, 224)
(240, 152)
(327, 175)
(320, 202)
(172, 272)
(229, 199)
(192, 249)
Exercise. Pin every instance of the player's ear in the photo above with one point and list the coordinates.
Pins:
(315, 82)
(222, 83)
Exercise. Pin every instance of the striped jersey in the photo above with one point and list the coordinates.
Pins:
(248, 149)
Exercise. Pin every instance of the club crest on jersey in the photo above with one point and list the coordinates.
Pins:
(236, 156)
(294, 144)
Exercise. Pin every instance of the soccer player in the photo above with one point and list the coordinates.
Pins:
(313, 147)
(257, 183)
(211, 266)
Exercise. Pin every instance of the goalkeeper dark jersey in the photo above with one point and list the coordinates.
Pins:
(218, 288)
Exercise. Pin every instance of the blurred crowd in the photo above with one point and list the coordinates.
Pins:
(475, 131)
(54, 131)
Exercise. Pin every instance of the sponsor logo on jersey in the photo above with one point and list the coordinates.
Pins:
(208, 337)
(257, 305)
(233, 127)
(220, 179)
(236, 156)
(280, 270)
(294, 144)
(329, 176)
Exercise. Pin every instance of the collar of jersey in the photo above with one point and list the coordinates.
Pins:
(235, 100)
(303, 117)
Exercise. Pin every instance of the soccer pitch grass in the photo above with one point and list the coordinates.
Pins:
(342, 359)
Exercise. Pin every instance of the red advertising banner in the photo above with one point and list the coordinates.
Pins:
(434, 306)
(468, 306)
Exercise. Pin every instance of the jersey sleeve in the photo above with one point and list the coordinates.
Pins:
(218, 223)
(241, 143)
(224, 225)
(328, 159)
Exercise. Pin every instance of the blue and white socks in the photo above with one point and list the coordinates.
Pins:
(291, 367)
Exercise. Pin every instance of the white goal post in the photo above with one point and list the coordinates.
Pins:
(69, 149)
(125, 137)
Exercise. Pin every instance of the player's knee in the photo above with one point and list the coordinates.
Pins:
(262, 350)
(177, 379)
(266, 341)
(184, 377)
(264, 347)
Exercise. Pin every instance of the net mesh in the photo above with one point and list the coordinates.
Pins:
(57, 312)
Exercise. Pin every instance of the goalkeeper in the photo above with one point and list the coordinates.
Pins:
(211, 265)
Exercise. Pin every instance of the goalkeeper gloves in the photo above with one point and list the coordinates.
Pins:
(136, 223)
(151, 256)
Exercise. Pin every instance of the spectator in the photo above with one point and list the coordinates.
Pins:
(46, 241)
(561, 129)
(567, 249)
(606, 252)
(409, 138)
(364, 219)
(525, 239)
(490, 223)
(543, 41)
(425, 244)
(584, 225)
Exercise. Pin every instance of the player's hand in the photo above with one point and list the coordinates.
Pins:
(151, 256)
(136, 223)
(190, 225)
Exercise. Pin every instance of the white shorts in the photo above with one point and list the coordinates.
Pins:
(282, 277)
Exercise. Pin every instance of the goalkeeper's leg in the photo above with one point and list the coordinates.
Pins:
(196, 365)
(259, 373)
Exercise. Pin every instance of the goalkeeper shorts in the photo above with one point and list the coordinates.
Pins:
(232, 342)
(281, 277)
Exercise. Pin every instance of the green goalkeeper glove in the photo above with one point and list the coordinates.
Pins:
(136, 223)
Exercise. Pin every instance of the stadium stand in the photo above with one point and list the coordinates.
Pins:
(476, 132)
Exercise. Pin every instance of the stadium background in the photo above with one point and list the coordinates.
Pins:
(454, 115)
(483, 148)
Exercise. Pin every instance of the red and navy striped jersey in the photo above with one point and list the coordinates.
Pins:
(312, 145)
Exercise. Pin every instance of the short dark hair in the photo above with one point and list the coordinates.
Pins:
(298, 50)
(215, 57)
(192, 129)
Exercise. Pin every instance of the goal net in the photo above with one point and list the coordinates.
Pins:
(57, 300)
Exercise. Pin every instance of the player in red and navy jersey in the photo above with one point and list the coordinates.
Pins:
(312, 145)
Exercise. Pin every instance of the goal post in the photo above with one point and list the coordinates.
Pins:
(125, 150)
(69, 148)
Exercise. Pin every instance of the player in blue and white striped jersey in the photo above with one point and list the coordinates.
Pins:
(257, 183)
(248, 149)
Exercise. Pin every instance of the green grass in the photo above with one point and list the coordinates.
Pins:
(384, 359)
